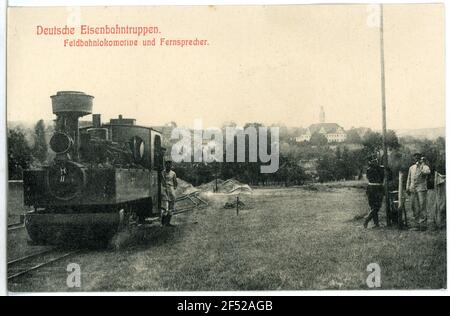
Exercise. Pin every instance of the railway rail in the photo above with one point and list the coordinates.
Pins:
(15, 226)
(193, 198)
(24, 265)
(191, 201)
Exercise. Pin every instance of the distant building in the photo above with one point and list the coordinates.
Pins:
(322, 115)
(305, 137)
(333, 132)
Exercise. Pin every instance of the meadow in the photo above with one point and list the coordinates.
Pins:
(303, 238)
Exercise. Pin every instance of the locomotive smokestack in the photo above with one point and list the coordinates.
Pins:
(69, 106)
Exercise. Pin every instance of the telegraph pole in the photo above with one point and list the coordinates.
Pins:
(383, 107)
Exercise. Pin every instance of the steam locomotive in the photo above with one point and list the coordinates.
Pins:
(102, 176)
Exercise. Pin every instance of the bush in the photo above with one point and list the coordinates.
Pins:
(19, 153)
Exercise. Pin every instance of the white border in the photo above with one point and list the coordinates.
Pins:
(3, 157)
(45, 3)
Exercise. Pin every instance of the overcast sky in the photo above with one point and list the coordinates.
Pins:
(263, 64)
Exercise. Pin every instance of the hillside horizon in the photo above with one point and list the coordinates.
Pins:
(423, 133)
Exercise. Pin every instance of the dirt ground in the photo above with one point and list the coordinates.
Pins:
(284, 239)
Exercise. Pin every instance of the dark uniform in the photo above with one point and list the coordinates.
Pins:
(375, 192)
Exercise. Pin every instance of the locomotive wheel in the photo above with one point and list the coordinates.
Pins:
(57, 233)
(37, 236)
(49, 231)
(139, 211)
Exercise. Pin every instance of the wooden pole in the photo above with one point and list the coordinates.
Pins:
(237, 205)
(216, 189)
(383, 108)
(436, 215)
(404, 209)
(400, 189)
(401, 200)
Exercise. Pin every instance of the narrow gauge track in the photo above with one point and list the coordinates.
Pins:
(15, 226)
(24, 265)
(32, 262)
(193, 202)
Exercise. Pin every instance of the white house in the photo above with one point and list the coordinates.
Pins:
(332, 131)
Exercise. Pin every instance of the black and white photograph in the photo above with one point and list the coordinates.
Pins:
(233, 148)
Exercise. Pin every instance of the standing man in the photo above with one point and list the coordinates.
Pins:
(375, 190)
(168, 186)
(416, 187)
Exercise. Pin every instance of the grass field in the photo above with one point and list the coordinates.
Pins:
(285, 239)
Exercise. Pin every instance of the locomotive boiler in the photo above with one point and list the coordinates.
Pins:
(103, 175)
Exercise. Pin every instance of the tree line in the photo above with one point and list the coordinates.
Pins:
(321, 161)
(299, 163)
(24, 154)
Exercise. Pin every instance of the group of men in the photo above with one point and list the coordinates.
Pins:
(416, 188)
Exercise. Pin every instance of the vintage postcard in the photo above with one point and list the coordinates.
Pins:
(226, 148)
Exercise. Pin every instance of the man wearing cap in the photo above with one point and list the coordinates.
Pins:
(374, 191)
(168, 186)
(416, 187)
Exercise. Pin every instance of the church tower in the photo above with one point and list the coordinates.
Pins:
(322, 115)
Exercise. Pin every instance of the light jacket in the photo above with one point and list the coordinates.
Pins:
(417, 177)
